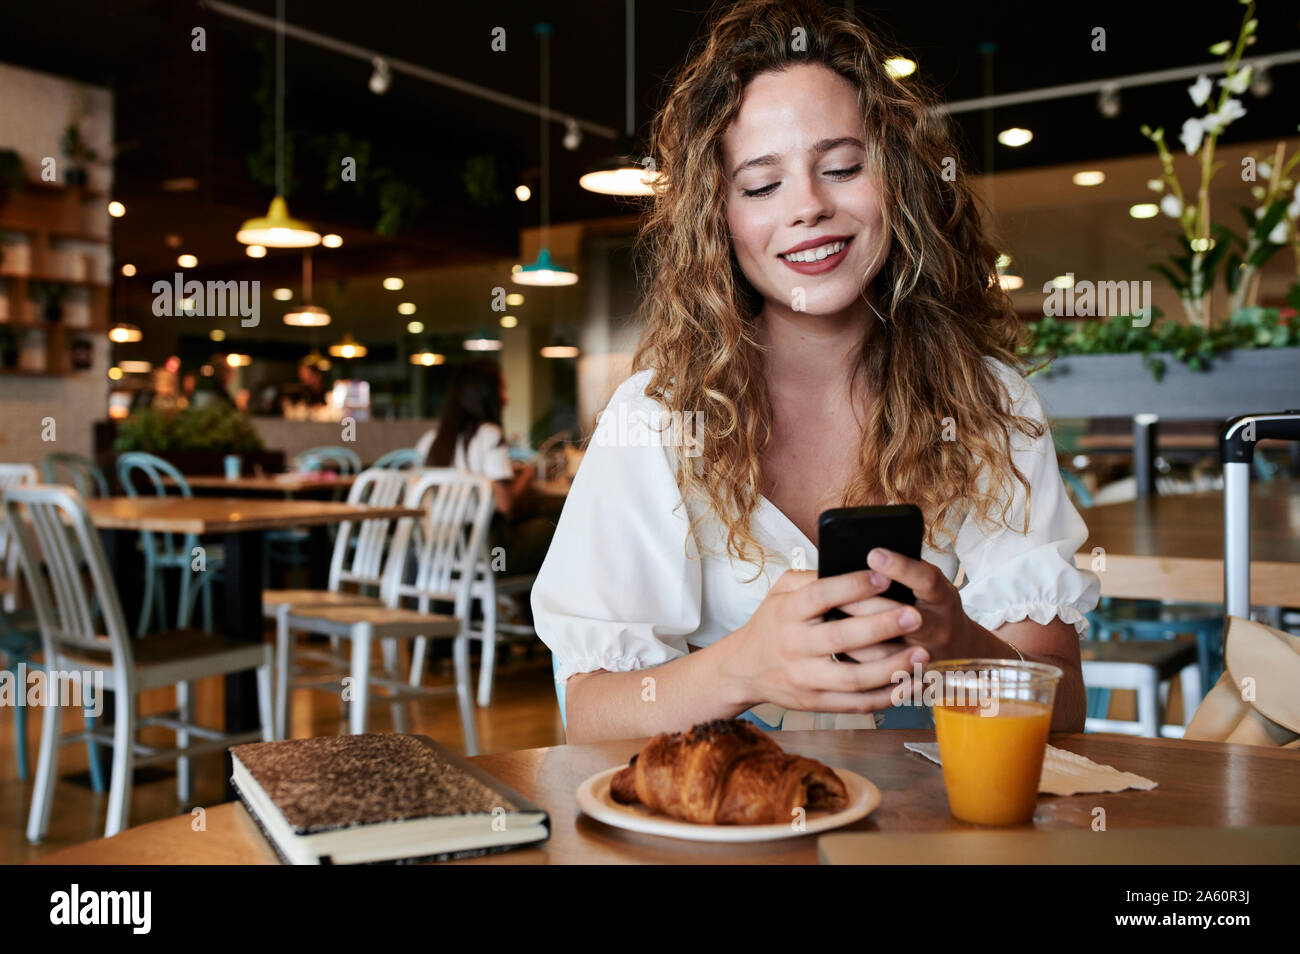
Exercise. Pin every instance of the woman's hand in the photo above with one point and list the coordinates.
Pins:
(946, 631)
(784, 653)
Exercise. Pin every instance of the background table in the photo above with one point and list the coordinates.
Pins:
(1171, 547)
(267, 483)
(240, 522)
(1201, 784)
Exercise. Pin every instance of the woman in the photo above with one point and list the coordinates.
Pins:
(875, 367)
(469, 437)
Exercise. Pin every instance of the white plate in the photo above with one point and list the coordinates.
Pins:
(594, 799)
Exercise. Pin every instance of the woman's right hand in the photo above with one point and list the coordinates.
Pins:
(784, 653)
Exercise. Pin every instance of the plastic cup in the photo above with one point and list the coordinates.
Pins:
(992, 717)
(232, 464)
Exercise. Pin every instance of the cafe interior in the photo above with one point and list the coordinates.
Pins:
(253, 254)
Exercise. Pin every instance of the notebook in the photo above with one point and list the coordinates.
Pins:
(358, 799)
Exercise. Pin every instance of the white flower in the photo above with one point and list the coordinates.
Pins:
(1200, 90)
(1191, 135)
(1265, 170)
(1238, 82)
(1216, 121)
(1171, 206)
(1155, 185)
(1278, 235)
(1293, 210)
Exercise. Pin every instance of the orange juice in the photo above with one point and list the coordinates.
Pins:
(992, 763)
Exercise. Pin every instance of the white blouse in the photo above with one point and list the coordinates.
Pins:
(486, 454)
(624, 585)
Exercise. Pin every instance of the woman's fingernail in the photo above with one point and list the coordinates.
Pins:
(877, 558)
(919, 656)
(909, 619)
(879, 579)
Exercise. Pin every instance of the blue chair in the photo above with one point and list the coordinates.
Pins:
(345, 461)
(400, 459)
(163, 551)
(86, 477)
(1149, 620)
(20, 638)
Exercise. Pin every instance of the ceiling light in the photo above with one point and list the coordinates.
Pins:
(544, 272)
(1011, 282)
(509, 321)
(1144, 210)
(124, 334)
(128, 270)
(1015, 136)
(620, 177)
(482, 341)
(427, 358)
(216, 334)
(1108, 101)
(135, 367)
(406, 308)
(523, 193)
(255, 251)
(572, 135)
(307, 316)
(415, 327)
(282, 294)
(349, 347)
(1003, 260)
(559, 351)
(187, 261)
(900, 66)
(172, 240)
(1089, 177)
(394, 284)
(332, 240)
(115, 374)
(382, 77)
(1063, 281)
(514, 299)
(116, 209)
(238, 360)
(277, 230)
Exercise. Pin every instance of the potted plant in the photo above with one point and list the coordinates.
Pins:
(195, 439)
(78, 153)
(50, 295)
(12, 174)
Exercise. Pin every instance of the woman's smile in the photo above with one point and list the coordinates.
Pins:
(815, 259)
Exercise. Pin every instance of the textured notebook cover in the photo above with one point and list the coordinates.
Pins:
(351, 780)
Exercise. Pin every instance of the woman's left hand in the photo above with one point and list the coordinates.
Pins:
(943, 628)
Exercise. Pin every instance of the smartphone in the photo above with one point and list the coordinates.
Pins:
(847, 534)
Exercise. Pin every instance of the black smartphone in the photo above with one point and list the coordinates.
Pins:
(847, 534)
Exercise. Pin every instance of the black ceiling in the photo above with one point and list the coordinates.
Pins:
(184, 113)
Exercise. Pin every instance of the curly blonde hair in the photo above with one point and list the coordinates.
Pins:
(941, 310)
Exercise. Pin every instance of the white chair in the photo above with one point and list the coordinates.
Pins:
(487, 589)
(450, 540)
(1145, 666)
(12, 475)
(357, 561)
(73, 643)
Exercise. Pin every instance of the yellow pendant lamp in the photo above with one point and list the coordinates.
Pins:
(349, 347)
(276, 229)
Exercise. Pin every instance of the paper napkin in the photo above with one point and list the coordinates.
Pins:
(1064, 773)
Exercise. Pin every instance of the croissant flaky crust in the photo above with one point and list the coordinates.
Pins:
(726, 772)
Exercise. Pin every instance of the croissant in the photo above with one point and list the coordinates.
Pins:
(725, 772)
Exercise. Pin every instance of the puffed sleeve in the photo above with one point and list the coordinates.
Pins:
(620, 586)
(1013, 575)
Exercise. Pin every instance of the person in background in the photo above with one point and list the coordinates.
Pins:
(469, 437)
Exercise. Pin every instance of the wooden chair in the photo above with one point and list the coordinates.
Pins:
(450, 541)
(73, 642)
(357, 561)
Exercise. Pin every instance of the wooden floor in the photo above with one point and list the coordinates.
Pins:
(523, 715)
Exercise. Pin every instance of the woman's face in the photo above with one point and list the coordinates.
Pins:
(797, 174)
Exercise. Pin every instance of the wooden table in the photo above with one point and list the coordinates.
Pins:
(1171, 547)
(240, 521)
(1201, 784)
(267, 483)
